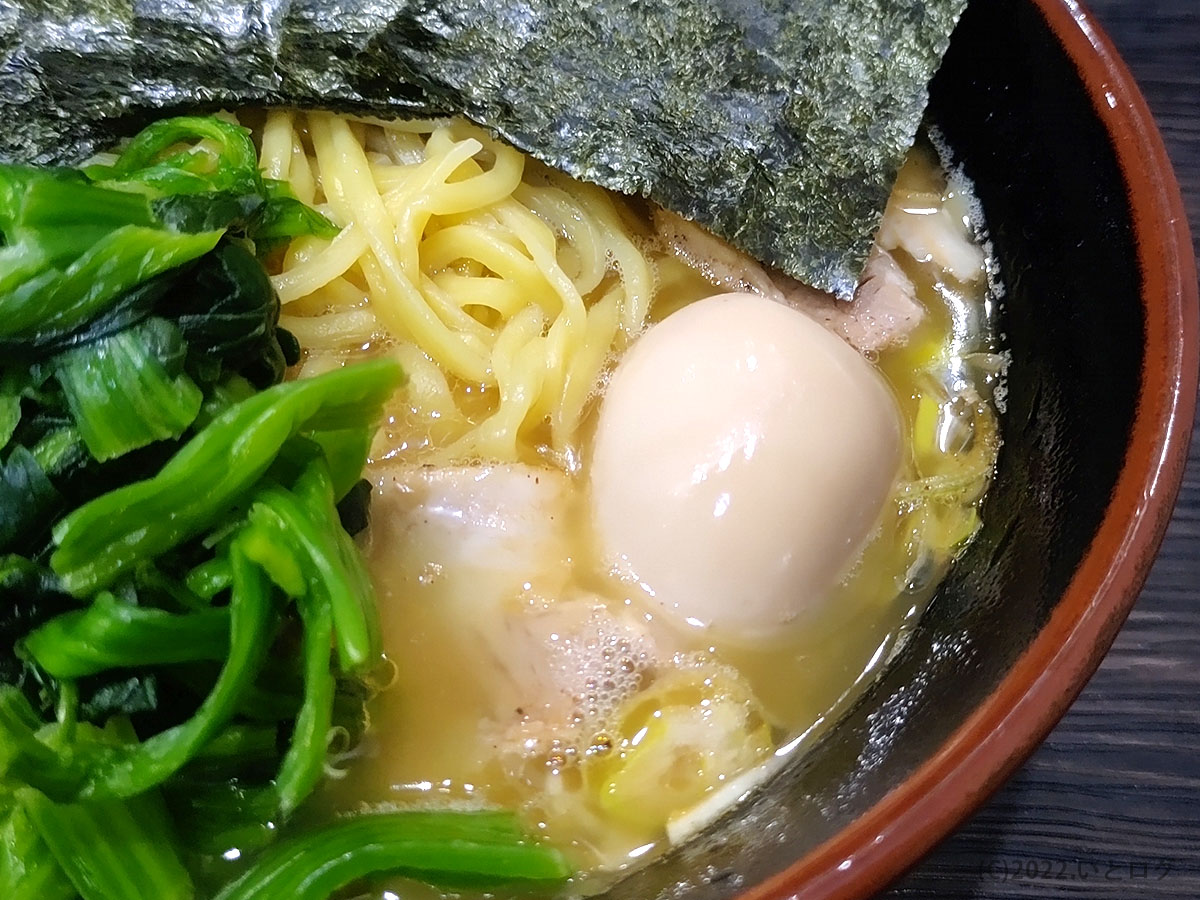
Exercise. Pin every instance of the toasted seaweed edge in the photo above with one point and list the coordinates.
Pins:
(720, 111)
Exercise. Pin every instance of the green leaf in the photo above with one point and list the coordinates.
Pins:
(28, 870)
(209, 578)
(73, 248)
(64, 204)
(125, 697)
(216, 816)
(72, 773)
(304, 761)
(111, 634)
(227, 312)
(346, 453)
(10, 417)
(230, 210)
(129, 309)
(236, 745)
(64, 299)
(98, 541)
(25, 758)
(128, 390)
(13, 384)
(29, 596)
(306, 523)
(56, 199)
(151, 158)
(60, 450)
(286, 217)
(113, 849)
(128, 771)
(435, 846)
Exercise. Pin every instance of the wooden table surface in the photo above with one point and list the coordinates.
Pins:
(1109, 807)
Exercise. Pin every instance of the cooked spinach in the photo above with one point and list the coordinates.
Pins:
(183, 615)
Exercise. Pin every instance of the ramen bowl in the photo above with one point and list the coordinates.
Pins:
(1095, 294)
(1099, 314)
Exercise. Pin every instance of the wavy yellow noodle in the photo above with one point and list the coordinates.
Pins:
(502, 287)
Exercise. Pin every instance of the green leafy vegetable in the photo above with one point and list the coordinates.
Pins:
(112, 634)
(203, 172)
(62, 297)
(129, 390)
(120, 697)
(59, 450)
(305, 535)
(304, 762)
(27, 759)
(286, 217)
(189, 619)
(216, 156)
(453, 847)
(10, 417)
(127, 310)
(113, 849)
(28, 870)
(132, 770)
(29, 596)
(227, 313)
(97, 542)
(28, 501)
(214, 816)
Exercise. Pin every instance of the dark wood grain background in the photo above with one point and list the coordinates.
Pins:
(1109, 807)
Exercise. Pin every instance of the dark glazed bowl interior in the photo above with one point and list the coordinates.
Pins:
(1100, 318)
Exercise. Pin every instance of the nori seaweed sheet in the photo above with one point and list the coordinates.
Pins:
(779, 124)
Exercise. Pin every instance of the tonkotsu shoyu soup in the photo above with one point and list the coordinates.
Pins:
(647, 516)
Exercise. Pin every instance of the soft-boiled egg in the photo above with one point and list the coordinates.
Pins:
(743, 456)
